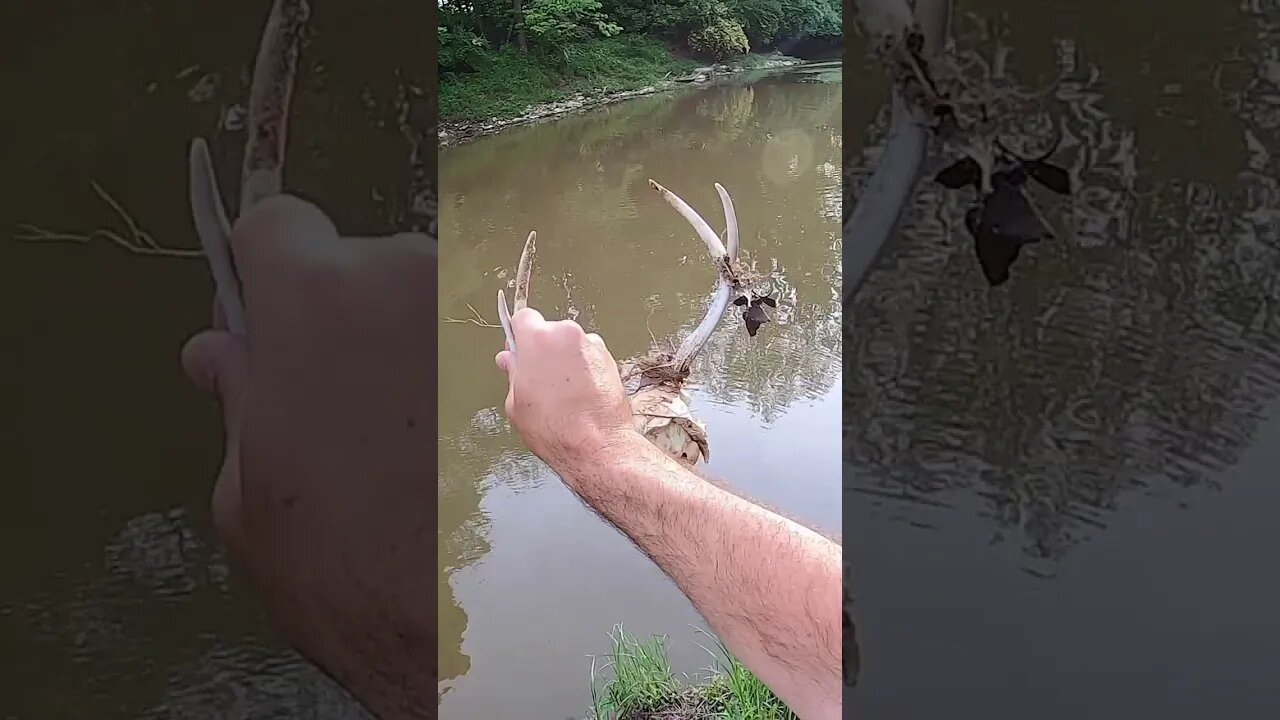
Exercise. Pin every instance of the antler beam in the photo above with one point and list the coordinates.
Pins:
(887, 192)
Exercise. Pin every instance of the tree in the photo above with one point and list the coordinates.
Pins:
(557, 23)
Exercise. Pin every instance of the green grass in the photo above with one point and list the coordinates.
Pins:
(508, 81)
(641, 685)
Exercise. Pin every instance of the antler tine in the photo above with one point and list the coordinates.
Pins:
(695, 340)
(700, 226)
(524, 272)
(269, 95)
(730, 222)
(504, 318)
(214, 231)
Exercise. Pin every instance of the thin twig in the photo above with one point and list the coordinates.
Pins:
(478, 320)
(140, 241)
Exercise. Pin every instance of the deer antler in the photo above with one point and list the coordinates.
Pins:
(269, 96)
(524, 273)
(724, 259)
(660, 409)
(868, 228)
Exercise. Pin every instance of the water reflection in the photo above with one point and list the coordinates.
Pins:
(1139, 349)
(1075, 471)
(615, 257)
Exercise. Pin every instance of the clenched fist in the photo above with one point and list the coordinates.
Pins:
(565, 396)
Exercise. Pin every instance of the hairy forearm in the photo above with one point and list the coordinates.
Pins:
(768, 587)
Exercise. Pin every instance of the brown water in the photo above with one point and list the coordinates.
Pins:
(531, 581)
(115, 602)
(1062, 492)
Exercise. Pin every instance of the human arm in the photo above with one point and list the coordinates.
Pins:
(767, 586)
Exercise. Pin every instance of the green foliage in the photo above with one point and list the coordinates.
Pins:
(585, 45)
(769, 21)
(460, 49)
(721, 39)
(555, 24)
(682, 16)
(641, 684)
(510, 80)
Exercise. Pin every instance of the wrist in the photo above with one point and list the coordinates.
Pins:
(589, 458)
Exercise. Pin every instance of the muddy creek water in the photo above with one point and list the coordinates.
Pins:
(115, 602)
(531, 582)
(1060, 488)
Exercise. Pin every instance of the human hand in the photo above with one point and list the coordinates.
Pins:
(565, 396)
(326, 498)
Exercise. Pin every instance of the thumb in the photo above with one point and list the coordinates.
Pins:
(506, 361)
(217, 362)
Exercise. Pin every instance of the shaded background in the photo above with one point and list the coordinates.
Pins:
(115, 602)
(1061, 492)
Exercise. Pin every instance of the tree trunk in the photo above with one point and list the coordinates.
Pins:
(518, 5)
(479, 18)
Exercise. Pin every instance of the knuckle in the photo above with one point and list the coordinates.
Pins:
(567, 330)
(272, 220)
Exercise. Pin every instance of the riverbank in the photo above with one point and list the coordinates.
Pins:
(642, 686)
(516, 89)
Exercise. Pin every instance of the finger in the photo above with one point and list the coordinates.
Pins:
(610, 362)
(524, 320)
(217, 362)
(505, 361)
(278, 225)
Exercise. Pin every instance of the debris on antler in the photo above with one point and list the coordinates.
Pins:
(966, 103)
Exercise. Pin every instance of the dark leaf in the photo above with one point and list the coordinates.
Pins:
(754, 316)
(1050, 176)
(1007, 213)
(768, 301)
(960, 173)
(996, 255)
(740, 300)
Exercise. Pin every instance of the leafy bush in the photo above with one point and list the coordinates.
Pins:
(687, 15)
(769, 21)
(460, 49)
(721, 39)
(554, 24)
